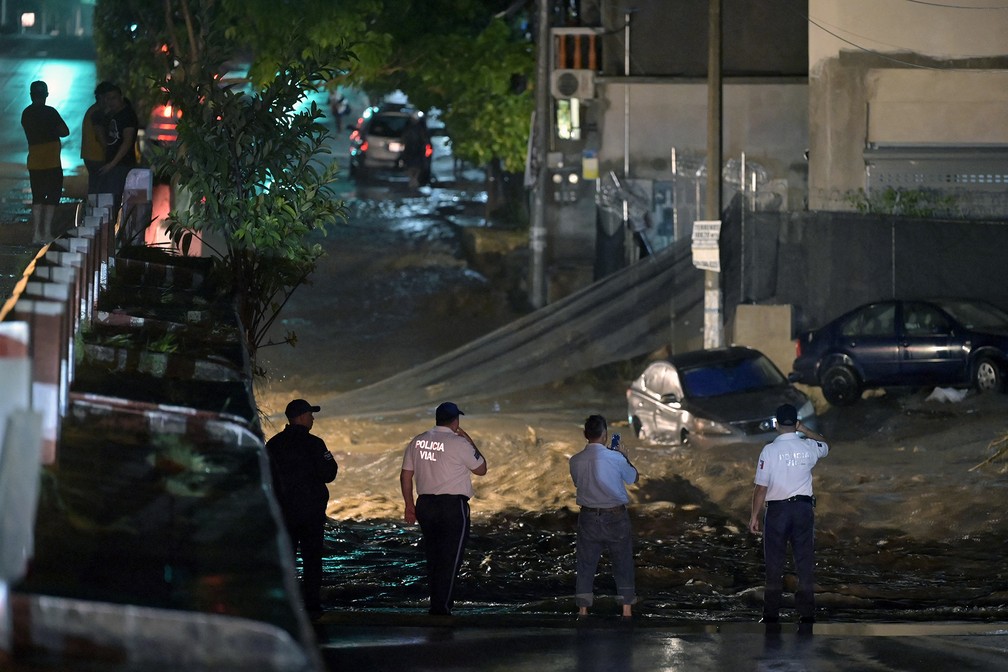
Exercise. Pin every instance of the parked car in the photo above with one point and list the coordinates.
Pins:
(378, 143)
(725, 395)
(946, 342)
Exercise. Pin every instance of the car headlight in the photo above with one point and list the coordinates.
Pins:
(706, 426)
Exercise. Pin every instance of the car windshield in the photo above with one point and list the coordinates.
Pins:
(730, 377)
(976, 315)
(388, 126)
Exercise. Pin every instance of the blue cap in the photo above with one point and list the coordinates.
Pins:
(447, 412)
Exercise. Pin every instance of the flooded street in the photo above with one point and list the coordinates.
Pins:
(907, 529)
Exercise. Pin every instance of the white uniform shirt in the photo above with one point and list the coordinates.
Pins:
(441, 462)
(785, 465)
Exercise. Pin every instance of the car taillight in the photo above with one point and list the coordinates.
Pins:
(428, 150)
(363, 146)
(797, 348)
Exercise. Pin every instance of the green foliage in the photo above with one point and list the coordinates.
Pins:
(248, 162)
(462, 57)
(246, 167)
(908, 203)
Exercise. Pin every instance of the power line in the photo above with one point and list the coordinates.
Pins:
(944, 6)
(866, 49)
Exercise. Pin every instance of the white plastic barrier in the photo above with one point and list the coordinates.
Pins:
(20, 457)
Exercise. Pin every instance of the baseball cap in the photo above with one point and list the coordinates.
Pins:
(39, 87)
(299, 407)
(447, 411)
(786, 415)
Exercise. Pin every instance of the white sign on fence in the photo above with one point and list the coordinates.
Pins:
(706, 250)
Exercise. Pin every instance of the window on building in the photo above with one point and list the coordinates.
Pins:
(568, 118)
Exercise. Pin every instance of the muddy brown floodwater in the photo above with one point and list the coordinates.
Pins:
(911, 522)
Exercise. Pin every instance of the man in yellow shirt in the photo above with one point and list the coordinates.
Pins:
(93, 137)
(43, 127)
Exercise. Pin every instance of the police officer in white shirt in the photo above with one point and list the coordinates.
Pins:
(442, 461)
(783, 500)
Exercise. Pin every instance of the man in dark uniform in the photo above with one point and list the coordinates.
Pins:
(442, 460)
(784, 490)
(301, 465)
(120, 123)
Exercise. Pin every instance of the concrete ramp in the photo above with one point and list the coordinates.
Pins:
(629, 313)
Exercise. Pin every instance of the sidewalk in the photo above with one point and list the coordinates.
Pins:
(16, 246)
(520, 643)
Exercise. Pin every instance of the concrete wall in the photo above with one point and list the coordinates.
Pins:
(901, 74)
(768, 329)
(824, 264)
(766, 120)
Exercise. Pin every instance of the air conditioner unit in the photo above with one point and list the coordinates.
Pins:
(572, 84)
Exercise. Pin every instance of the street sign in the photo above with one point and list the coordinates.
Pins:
(706, 250)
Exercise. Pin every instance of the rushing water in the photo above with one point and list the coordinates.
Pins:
(905, 529)
(695, 559)
(526, 565)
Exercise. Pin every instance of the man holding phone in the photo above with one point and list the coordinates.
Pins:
(601, 474)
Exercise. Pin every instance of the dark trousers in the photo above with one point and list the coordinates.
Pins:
(46, 186)
(792, 522)
(598, 532)
(444, 522)
(307, 535)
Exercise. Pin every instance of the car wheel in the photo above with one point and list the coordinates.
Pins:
(987, 376)
(840, 386)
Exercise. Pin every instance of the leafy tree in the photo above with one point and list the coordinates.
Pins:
(246, 161)
(463, 57)
(471, 59)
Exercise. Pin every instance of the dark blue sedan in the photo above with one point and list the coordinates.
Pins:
(944, 342)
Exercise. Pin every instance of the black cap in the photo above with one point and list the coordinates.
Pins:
(38, 88)
(299, 407)
(787, 415)
(447, 412)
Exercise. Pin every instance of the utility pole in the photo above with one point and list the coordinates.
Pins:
(713, 328)
(540, 138)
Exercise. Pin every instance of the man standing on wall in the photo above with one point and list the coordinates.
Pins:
(120, 124)
(442, 460)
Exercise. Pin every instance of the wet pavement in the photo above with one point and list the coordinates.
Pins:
(516, 644)
(385, 638)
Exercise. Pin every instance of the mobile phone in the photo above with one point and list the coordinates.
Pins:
(614, 442)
